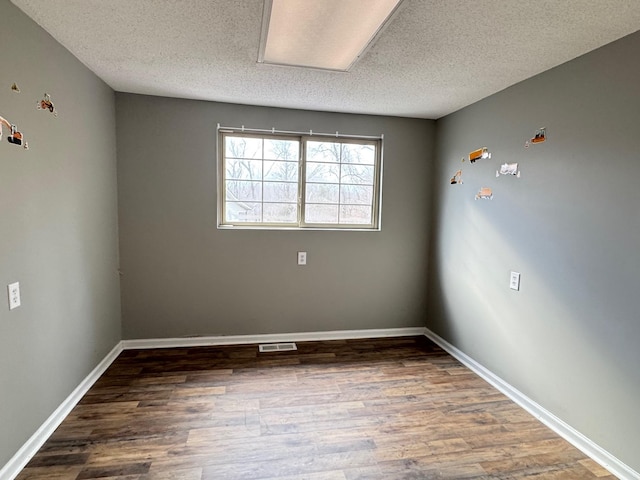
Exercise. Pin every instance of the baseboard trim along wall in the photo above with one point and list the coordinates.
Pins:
(270, 338)
(11, 470)
(578, 440)
(31, 446)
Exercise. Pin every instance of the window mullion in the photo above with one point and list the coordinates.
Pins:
(262, 183)
(302, 181)
(222, 178)
(339, 182)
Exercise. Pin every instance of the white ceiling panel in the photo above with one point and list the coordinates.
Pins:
(433, 58)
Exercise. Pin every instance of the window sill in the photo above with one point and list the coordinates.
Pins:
(298, 229)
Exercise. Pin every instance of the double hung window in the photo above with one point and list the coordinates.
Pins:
(298, 181)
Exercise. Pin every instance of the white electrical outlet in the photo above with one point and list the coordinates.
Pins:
(14, 295)
(302, 258)
(514, 282)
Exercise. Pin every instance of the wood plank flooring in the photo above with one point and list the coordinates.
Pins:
(396, 408)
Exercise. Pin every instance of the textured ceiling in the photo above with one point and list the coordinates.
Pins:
(435, 57)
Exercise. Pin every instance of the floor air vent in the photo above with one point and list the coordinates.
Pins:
(278, 347)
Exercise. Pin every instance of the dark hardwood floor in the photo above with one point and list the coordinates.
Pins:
(396, 408)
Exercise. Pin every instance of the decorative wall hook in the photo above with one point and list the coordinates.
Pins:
(15, 88)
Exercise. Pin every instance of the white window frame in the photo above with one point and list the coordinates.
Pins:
(302, 138)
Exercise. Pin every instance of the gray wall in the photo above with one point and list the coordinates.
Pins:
(58, 234)
(183, 276)
(571, 226)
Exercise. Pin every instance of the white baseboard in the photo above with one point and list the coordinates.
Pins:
(578, 440)
(31, 447)
(270, 338)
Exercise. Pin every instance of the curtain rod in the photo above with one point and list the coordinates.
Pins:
(290, 132)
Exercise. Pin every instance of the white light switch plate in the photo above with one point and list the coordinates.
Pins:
(302, 258)
(514, 283)
(14, 295)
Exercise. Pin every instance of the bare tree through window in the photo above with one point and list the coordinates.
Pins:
(263, 182)
(340, 182)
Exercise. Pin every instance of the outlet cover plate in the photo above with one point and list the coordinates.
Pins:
(302, 258)
(514, 282)
(14, 295)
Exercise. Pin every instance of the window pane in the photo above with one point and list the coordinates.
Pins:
(261, 181)
(354, 153)
(355, 214)
(243, 169)
(280, 192)
(243, 147)
(276, 149)
(357, 174)
(323, 172)
(243, 212)
(241, 190)
(321, 213)
(281, 212)
(323, 152)
(287, 171)
(356, 194)
(322, 193)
